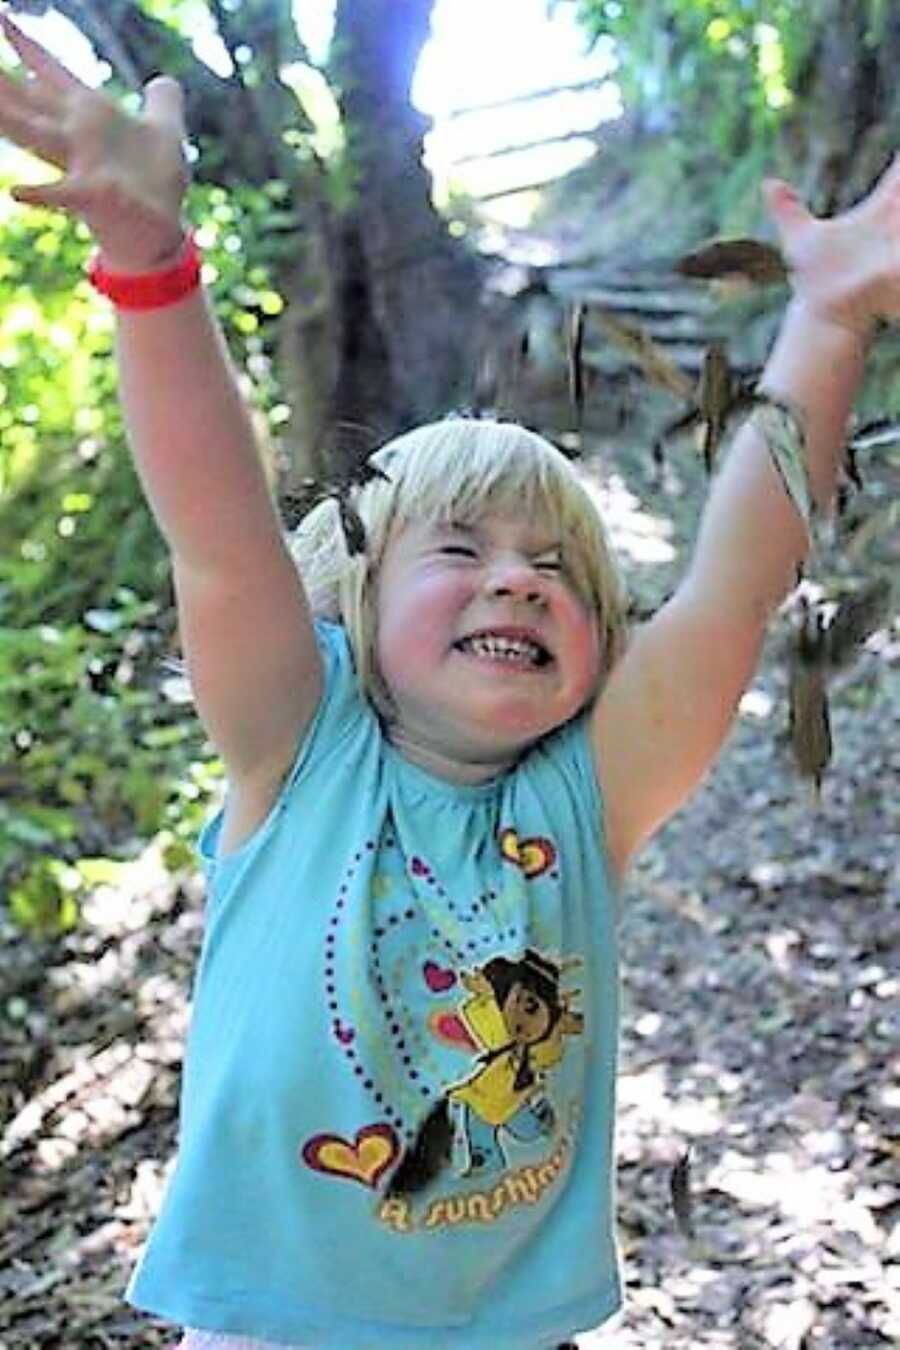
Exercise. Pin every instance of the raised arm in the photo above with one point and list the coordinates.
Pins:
(669, 704)
(244, 619)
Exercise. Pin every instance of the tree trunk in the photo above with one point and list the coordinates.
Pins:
(409, 292)
(845, 128)
(381, 303)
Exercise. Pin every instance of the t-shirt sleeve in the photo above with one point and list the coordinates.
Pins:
(339, 706)
(573, 750)
(576, 752)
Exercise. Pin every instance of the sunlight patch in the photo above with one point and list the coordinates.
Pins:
(632, 529)
(756, 703)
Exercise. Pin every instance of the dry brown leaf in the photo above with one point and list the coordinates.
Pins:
(576, 361)
(682, 1200)
(810, 723)
(640, 346)
(726, 259)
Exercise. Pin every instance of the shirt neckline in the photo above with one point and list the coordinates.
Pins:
(443, 787)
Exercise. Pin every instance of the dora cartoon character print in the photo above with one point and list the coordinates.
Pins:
(517, 1016)
(516, 1013)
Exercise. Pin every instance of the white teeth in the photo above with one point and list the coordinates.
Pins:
(504, 648)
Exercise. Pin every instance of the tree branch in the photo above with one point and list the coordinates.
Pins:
(236, 147)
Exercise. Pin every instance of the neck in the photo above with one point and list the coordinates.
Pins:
(436, 761)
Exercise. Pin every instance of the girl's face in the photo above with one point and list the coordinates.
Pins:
(526, 1016)
(483, 642)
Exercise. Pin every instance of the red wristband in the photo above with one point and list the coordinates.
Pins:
(149, 290)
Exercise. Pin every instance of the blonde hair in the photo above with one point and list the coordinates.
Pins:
(458, 469)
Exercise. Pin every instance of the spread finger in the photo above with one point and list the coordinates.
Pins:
(34, 133)
(36, 57)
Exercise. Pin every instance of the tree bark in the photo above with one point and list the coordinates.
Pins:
(381, 303)
(410, 291)
(844, 131)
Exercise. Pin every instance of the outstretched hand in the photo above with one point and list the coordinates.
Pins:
(847, 268)
(124, 176)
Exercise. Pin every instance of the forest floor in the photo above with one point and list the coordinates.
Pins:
(761, 1030)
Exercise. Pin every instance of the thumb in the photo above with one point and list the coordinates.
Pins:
(164, 103)
(783, 204)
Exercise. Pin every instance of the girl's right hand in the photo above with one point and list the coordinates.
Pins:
(125, 176)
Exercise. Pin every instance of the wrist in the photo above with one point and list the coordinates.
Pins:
(157, 288)
(857, 329)
(120, 261)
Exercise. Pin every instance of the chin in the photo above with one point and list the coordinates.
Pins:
(510, 736)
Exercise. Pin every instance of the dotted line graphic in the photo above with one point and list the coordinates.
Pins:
(411, 1050)
(344, 1034)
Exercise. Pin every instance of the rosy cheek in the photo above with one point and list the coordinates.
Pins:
(583, 635)
(416, 624)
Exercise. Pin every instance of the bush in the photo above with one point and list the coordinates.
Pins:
(101, 754)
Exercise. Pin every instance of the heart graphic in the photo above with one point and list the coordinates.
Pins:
(344, 1034)
(418, 867)
(534, 856)
(447, 1027)
(438, 978)
(365, 1160)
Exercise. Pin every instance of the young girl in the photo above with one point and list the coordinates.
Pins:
(442, 753)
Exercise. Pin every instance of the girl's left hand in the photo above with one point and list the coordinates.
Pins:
(845, 269)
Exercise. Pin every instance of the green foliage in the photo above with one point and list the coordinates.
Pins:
(186, 16)
(731, 63)
(96, 756)
(73, 525)
(93, 759)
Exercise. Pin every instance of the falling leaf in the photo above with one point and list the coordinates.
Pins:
(576, 364)
(810, 724)
(719, 396)
(871, 435)
(715, 398)
(880, 431)
(745, 259)
(856, 619)
(682, 1201)
(785, 438)
(649, 355)
(851, 466)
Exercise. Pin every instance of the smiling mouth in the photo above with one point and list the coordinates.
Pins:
(514, 651)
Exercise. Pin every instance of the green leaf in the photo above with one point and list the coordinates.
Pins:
(44, 902)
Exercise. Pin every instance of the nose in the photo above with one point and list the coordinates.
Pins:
(515, 578)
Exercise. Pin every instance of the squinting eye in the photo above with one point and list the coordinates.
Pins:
(458, 551)
(554, 566)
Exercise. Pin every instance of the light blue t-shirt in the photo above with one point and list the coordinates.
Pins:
(387, 947)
